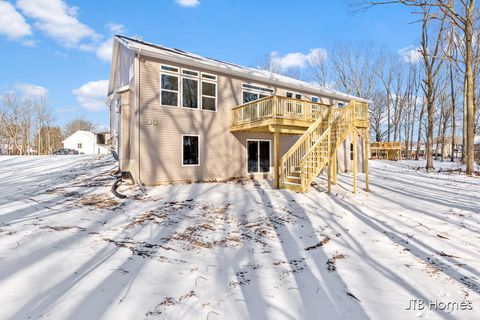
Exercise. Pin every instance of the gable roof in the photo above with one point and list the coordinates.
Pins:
(180, 56)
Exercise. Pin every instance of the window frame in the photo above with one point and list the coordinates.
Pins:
(181, 144)
(270, 90)
(179, 84)
(79, 145)
(198, 91)
(202, 95)
(269, 156)
(214, 76)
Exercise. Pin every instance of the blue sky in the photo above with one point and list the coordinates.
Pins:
(64, 47)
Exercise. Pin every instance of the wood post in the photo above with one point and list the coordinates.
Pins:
(334, 166)
(276, 152)
(354, 141)
(329, 168)
(365, 149)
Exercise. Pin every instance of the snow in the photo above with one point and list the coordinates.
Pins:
(235, 250)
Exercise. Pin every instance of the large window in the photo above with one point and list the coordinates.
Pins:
(169, 90)
(258, 156)
(190, 93)
(209, 96)
(253, 92)
(191, 155)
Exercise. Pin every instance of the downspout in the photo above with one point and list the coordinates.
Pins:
(137, 102)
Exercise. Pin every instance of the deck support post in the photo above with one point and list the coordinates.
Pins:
(329, 168)
(334, 166)
(354, 141)
(365, 149)
(276, 154)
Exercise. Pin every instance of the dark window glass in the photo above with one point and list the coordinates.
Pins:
(351, 151)
(169, 98)
(169, 82)
(249, 96)
(249, 86)
(258, 156)
(208, 103)
(207, 76)
(192, 73)
(190, 93)
(190, 150)
(170, 68)
(252, 156)
(208, 89)
(264, 156)
(289, 95)
(298, 96)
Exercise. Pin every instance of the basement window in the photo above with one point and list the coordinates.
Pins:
(79, 146)
(190, 150)
(351, 151)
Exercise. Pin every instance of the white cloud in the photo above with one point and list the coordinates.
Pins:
(58, 20)
(104, 50)
(12, 23)
(31, 90)
(298, 59)
(188, 3)
(92, 95)
(410, 54)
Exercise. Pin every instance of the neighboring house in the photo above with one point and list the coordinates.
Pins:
(87, 142)
(180, 117)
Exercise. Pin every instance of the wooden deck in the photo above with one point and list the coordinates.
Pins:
(322, 128)
(386, 150)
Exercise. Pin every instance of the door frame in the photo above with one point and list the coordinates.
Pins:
(269, 156)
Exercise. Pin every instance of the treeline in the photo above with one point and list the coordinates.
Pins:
(427, 96)
(27, 125)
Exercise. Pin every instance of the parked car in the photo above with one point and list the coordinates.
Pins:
(66, 151)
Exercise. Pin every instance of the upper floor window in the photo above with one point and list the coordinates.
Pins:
(253, 92)
(190, 93)
(315, 99)
(292, 95)
(169, 90)
(209, 95)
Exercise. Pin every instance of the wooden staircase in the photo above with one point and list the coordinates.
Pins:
(316, 148)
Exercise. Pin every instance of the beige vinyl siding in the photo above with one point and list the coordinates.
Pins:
(222, 154)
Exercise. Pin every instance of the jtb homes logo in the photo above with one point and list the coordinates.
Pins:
(420, 304)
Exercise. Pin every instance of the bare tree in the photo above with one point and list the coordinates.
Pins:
(78, 124)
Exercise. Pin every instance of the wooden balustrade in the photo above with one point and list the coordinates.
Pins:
(277, 107)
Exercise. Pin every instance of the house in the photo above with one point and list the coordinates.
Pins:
(180, 117)
(87, 142)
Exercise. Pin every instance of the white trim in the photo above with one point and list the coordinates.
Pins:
(198, 93)
(270, 164)
(168, 90)
(209, 74)
(169, 66)
(190, 75)
(202, 95)
(181, 144)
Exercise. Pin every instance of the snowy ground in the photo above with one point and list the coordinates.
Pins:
(235, 250)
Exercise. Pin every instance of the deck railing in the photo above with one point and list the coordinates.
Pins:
(385, 145)
(277, 107)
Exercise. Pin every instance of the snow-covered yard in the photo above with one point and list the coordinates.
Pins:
(235, 250)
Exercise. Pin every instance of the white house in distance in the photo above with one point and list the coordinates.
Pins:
(87, 142)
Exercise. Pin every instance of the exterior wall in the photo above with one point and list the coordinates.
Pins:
(153, 133)
(344, 160)
(222, 153)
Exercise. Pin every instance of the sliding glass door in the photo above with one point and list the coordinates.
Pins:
(258, 156)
